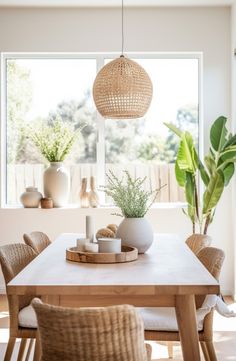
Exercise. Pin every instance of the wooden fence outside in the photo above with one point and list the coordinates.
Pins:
(19, 176)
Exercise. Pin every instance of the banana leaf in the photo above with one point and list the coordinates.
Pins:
(213, 192)
(185, 156)
(228, 173)
(180, 175)
(201, 168)
(218, 134)
(189, 189)
(210, 164)
(174, 129)
(230, 141)
(228, 153)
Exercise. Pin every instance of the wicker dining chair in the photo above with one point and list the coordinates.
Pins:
(196, 242)
(87, 334)
(37, 240)
(23, 322)
(212, 258)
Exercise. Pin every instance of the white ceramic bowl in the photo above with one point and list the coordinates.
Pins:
(109, 245)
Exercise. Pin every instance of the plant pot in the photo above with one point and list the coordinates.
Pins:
(197, 242)
(57, 184)
(31, 197)
(135, 232)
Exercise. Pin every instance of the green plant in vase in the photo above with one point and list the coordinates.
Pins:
(129, 195)
(55, 143)
(215, 172)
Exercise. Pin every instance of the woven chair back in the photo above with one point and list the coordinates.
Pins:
(37, 240)
(196, 242)
(13, 258)
(113, 333)
(212, 258)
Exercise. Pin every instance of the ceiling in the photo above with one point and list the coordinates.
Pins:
(109, 3)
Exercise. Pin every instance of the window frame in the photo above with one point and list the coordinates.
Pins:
(100, 58)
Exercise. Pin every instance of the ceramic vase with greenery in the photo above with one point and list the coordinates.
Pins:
(55, 143)
(129, 195)
(215, 172)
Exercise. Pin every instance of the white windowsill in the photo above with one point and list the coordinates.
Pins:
(173, 205)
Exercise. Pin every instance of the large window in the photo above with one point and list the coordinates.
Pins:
(40, 88)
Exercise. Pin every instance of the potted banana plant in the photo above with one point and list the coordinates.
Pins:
(215, 172)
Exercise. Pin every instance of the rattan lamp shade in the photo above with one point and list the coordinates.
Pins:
(122, 90)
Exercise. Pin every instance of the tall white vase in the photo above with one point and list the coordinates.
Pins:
(135, 232)
(57, 184)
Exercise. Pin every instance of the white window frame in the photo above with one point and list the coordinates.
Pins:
(100, 61)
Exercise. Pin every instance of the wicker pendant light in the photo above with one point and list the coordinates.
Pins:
(122, 88)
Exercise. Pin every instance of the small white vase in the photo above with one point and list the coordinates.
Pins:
(57, 184)
(31, 197)
(135, 232)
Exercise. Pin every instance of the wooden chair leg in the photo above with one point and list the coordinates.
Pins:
(10, 347)
(204, 351)
(22, 349)
(149, 351)
(37, 349)
(31, 343)
(211, 351)
(170, 349)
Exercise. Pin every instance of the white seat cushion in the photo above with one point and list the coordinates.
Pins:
(27, 317)
(159, 318)
(164, 318)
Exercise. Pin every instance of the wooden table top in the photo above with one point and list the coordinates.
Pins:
(168, 268)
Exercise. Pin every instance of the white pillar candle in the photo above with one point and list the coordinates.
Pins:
(81, 243)
(89, 228)
(91, 247)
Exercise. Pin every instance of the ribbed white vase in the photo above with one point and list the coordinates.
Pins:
(57, 184)
(135, 232)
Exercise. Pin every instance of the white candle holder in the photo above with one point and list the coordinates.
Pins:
(89, 228)
(91, 247)
(80, 242)
(109, 245)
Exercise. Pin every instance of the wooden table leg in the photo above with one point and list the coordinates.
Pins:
(186, 317)
(37, 349)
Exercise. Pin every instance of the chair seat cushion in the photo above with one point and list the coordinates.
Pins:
(27, 317)
(164, 318)
(159, 318)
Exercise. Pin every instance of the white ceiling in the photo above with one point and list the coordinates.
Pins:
(108, 3)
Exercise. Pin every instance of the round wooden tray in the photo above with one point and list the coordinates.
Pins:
(127, 254)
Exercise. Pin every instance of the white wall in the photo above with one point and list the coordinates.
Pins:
(155, 29)
(233, 111)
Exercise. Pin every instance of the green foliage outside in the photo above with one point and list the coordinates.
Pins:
(216, 171)
(128, 194)
(19, 99)
(126, 141)
(77, 114)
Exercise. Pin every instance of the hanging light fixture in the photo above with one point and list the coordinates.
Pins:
(122, 88)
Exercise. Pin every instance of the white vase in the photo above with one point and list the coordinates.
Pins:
(57, 184)
(31, 197)
(135, 232)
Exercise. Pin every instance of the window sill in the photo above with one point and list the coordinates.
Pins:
(173, 205)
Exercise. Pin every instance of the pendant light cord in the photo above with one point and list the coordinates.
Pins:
(122, 26)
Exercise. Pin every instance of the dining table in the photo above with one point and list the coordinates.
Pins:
(167, 275)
